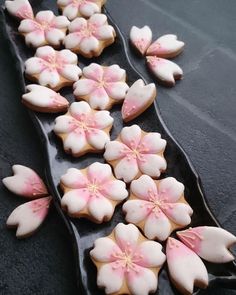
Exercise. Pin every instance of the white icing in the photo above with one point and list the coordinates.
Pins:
(113, 149)
(74, 201)
(185, 268)
(100, 208)
(20, 9)
(28, 217)
(141, 38)
(165, 70)
(138, 98)
(152, 165)
(74, 178)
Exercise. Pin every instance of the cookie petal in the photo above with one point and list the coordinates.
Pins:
(152, 165)
(89, 45)
(99, 99)
(117, 90)
(103, 119)
(75, 142)
(141, 38)
(126, 169)
(84, 87)
(35, 38)
(64, 124)
(46, 52)
(20, 9)
(72, 40)
(170, 189)
(126, 234)
(45, 16)
(87, 9)
(115, 190)
(54, 36)
(98, 19)
(143, 186)
(99, 173)
(104, 33)
(131, 136)
(135, 210)
(60, 22)
(49, 78)
(179, 213)
(75, 200)
(71, 72)
(71, 11)
(114, 74)
(97, 138)
(34, 66)
(74, 178)
(79, 108)
(152, 254)
(153, 143)
(114, 150)
(100, 208)
(68, 56)
(27, 26)
(93, 72)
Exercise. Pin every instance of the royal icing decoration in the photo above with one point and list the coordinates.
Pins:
(28, 217)
(127, 263)
(90, 37)
(52, 68)
(20, 9)
(210, 243)
(157, 207)
(165, 70)
(141, 38)
(186, 269)
(86, 8)
(167, 46)
(43, 99)
(101, 86)
(138, 98)
(45, 28)
(136, 152)
(25, 182)
(92, 192)
(83, 129)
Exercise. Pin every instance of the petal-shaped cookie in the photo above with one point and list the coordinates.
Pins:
(43, 99)
(167, 46)
(25, 182)
(166, 71)
(20, 9)
(141, 38)
(209, 242)
(28, 217)
(186, 269)
(138, 98)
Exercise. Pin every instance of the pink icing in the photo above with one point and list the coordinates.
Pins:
(40, 207)
(25, 12)
(57, 100)
(175, 249)
(154, 61)
(192, 238)
(33, 186)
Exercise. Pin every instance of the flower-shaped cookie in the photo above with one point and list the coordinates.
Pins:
(157, 207)
(136, 152)
(90, 37)
(83, 130)
(101, 86)
(92, 192)
(127, 263)
(86, 8)
(55, 69)
(44, 29)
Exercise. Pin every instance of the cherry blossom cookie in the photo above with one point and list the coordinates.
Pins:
(186, 269)
(101, 86)
(83, 130)
(141, 38)
(51, 68)
(138, 98)
(92, 193)
(90, 37)
(136, 152)
(43, 99)
(74, 8)
(209, 242)
(127, 263)
(157, 207)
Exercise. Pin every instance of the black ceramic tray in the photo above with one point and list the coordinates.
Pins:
(83, 232)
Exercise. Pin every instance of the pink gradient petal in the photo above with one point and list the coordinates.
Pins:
(99, 173)
(97, 19)
(46, 52)
(104, 32)
(114, 74)
(80, 109)
(100, 208)
(54, 36)
(27, 26)
(179, 213)
(87, 9)
(136, 210)
(64, 124)
(89, 45)
(74, 178)
(72, 40)
(115, 190)
(67, 56)
(126, 169)
(93, 72)
(35, 38)
(71, 11)
(126, 235)
(99, 99)
(34, 66)
(131, 136)
(45, 16)
(153, 143)
(170, 189)
(84, 87)
(103, 119)
(114, 150)
(117, 90)
(97, 138)
(152, 165)
(143, 186)
(152, 254)
(75, 200)
(75, 141)
(49, 78)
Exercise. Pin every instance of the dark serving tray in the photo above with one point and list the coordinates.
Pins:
(83, 232)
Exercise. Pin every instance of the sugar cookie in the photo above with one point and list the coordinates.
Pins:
(186, 269)
(44, 29)
(43, 99)
(90, 37)
(20, 9)
(92, 193)
(28, 217)
(167, 46)
(101, 86)
(136, 152)
(25, 182)
(127, 263)
(138, 98)
(157, 207)
(86, 8)
(166, 71)
(141, 38)
(55, 69)
(209, 242)
(83, 130)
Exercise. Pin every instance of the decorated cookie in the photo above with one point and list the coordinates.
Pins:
(43, 99)
(167, 46)
(157, 206)
(90, 37)
(28, 217)
(210, 243)
(44, 29)
(55, 69)
(166, 71)
(101, 86)
(127, 263)
(20, 9)
(141, 38)
(138, 98)
(25, 182)
(136, 152)
(186, 269)
(83, 130)
(86, 8)
(92, 192)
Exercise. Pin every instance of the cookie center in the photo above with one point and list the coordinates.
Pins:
(93, 188)
(135, 152)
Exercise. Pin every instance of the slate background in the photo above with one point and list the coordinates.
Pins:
(200, 112)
